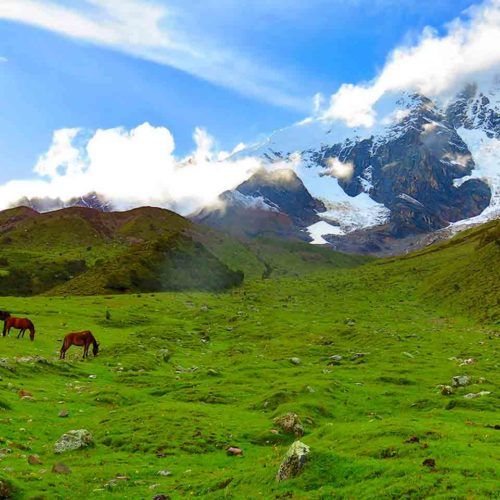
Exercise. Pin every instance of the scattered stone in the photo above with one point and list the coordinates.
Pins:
(33, 359)
(34, 460)
(408, 355)
(460, 381)
(294, 461)
(335, 360)
(429, 462)
(446, 390)
(7, 490)
(25, 395)
(413, 439)
(164, 473)
(164, 354)
(212, 373)
(359, 355)
(64, 413)
(234, 451)
(290, 424)
(473, 395)
(92, 376)
(60, 468)
(295, 361)
(74, 440)
(350, 322)
(466, 362)
(180, 369)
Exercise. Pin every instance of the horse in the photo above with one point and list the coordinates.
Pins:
(80, 339)
(21, 324)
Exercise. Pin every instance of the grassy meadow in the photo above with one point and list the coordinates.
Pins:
(182, 376)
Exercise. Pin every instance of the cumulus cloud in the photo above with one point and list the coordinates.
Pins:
(339, 169)
(434, 66)
(132, 168)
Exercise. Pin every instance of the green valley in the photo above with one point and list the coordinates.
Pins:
(358, 348)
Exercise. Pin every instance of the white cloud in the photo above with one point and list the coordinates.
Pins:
(339, 170)
(132, 168)
(435, 66)
(3, 59)
(153, 32)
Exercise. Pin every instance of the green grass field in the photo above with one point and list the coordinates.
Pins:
(228, 374)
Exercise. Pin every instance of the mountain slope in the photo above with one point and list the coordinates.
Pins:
(81, 251)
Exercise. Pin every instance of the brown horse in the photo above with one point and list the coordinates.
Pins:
(79, 339)
(4, 315)
(21, 324)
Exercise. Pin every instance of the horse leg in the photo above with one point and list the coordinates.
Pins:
(63, 352)
(20, 334)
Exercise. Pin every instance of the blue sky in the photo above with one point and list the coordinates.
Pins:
(239, 68)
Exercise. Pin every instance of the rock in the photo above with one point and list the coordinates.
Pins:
(212, 373)
(473, 395)
(335, 359)
(73, 440)
(446, 390)
(408, 355)
(92, 376)
(460, 381)
(234, 451)
(164, 354)
(469, 361)
(7, 489)
(295, 361)
(23, 394)
(34, 460)
(413, 439)
(164, 473)
(60, 468)
(429, 462)
(359, 355)
(64, 413)
(294, 461)
(290, 424)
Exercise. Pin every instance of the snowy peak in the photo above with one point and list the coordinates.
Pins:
(477, 107)
(413, 171)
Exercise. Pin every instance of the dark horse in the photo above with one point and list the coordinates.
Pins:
(80, 339)
(21, 324)
(4, 315)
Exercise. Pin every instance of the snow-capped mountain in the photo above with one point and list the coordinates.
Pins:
(423, 166)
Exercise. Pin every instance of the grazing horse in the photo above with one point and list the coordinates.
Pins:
(21, 324)
(80, 339)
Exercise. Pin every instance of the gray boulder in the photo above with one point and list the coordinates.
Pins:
(74, 440)
(460, 381)
(294, 461)
(290, 424)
